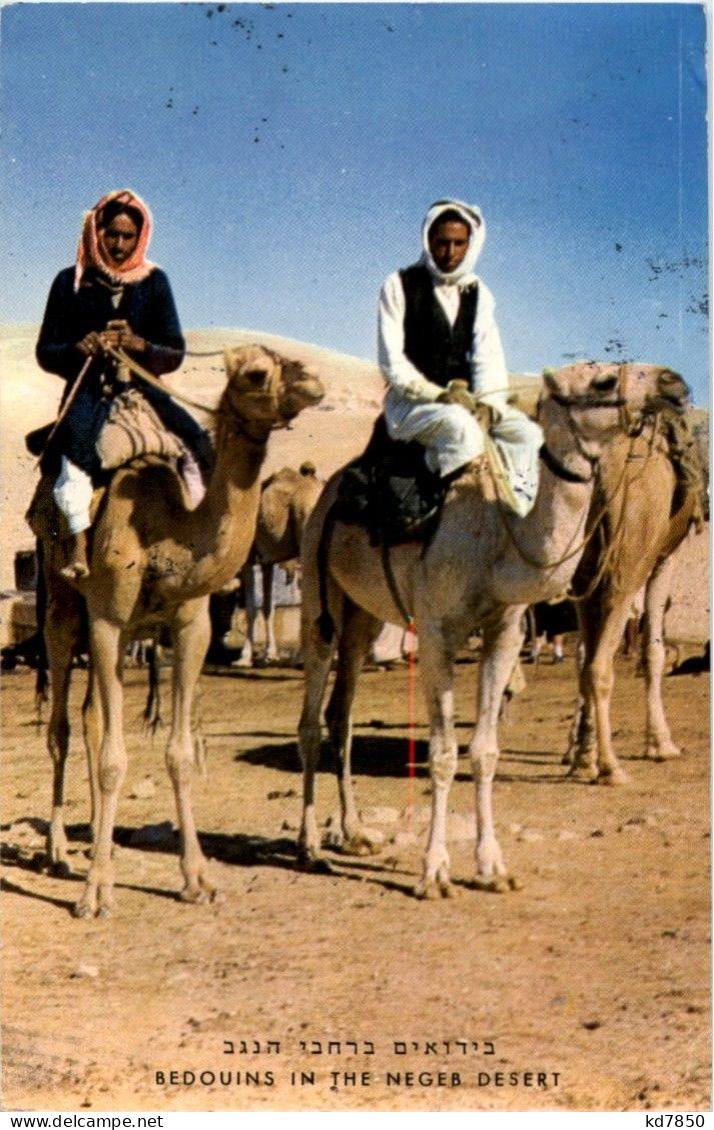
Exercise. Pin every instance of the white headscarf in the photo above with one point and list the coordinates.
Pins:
(464, 274)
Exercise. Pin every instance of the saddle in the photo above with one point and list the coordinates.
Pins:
(390, 490)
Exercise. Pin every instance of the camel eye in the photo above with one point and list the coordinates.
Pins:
(605, 384)
(256, 376)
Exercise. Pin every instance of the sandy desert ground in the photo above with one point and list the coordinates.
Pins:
(589, 989)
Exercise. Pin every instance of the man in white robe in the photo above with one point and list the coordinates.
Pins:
(437, 325)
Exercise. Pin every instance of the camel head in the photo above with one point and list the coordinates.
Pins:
(265, 389)
(597, 400)
(583, 403)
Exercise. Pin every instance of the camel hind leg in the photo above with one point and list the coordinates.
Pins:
(359, 631)
(317, 658)
(659, 744)
(436, 660)
(191, 636)
(247, 580)
(271, 644)
(501, 644)
(106, 656)
(62, 631)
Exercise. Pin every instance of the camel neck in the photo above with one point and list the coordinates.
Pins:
(223, 524)
(547, 545)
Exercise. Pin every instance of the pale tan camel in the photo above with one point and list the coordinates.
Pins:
(482, 567)
(154, 562)
(286, 501)
(646, 517)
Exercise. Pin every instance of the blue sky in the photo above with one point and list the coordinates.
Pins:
(289, 152)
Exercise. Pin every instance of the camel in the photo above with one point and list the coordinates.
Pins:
(646, 517)
(286, 502)
(153, 561)
(482, 567)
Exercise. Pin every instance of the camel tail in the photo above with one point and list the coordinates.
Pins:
(326, 625)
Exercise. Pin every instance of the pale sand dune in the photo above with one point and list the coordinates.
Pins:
(330, 435)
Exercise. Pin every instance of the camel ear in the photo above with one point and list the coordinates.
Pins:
(673, 389)
(229, 354)
(549, 380)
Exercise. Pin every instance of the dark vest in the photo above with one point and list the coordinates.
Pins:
(440, 351)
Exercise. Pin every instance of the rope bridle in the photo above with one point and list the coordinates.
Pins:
(630, 427)
(237, 425)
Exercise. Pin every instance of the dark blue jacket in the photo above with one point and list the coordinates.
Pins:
(148, 306)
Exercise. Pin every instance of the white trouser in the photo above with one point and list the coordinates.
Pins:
(452, 437)
(73, 495)
(449, 433)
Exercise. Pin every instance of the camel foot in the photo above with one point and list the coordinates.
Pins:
(312, 863)
(201, 895)
(662, 753)
(359, 843)
(86, 908)
(497, 884)
(583, 774)
(429, 889)
(243, 661)
(612, 777)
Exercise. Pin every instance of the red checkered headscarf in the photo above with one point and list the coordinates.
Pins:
(89, 251)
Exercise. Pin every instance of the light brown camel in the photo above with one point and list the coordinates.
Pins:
(647, 515)
(154, 562)
(286, 501)
(482, 567)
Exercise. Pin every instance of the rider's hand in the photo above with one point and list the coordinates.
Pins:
(457, 392)
(91, 345)
(120, 335)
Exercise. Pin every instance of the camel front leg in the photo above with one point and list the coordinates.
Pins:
(60, 635)
(191, 632)
(105, 642)
(501, 644)
(436, 666)
(581, 737)
(359, 631)
(93, 733)
(600, 679)
(317, 658)
(659, 744)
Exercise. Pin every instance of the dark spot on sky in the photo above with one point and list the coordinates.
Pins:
(618, 247)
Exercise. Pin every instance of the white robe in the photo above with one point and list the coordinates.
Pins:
(450, 434)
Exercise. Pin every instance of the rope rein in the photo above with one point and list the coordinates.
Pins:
(554, 466)
(125, 359)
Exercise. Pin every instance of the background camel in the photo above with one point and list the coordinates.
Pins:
(482, 567)
(286, 501)
(155, 562)
(646, 515)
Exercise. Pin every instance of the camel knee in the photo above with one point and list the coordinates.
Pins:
(601, 680)
(442, 765)
(58, 740)
(179, 763)
(110, 777)
(483, 764)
